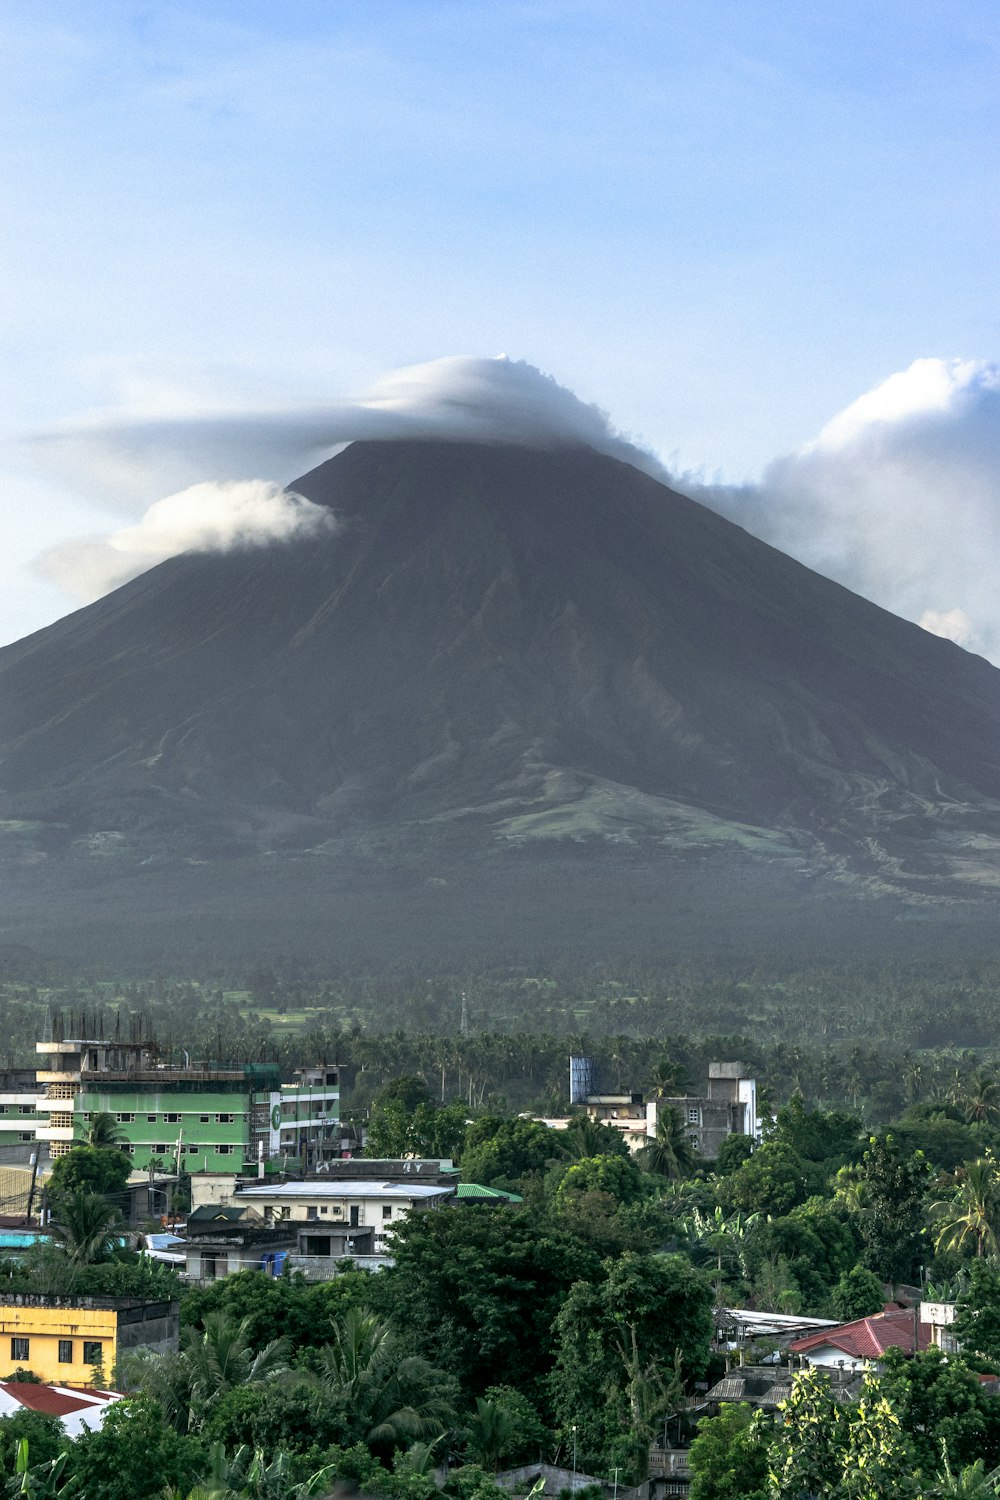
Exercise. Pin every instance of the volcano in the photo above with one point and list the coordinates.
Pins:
(517, 699)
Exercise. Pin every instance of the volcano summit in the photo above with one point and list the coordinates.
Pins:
(514, 701)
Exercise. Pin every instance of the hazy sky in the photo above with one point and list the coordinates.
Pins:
(722, 222)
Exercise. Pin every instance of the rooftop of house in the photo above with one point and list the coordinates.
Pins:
(73, 1408)
(870, 1338)
(404, 1191)
(766, 1386)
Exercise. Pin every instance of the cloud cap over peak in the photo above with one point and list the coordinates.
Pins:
(136, 457)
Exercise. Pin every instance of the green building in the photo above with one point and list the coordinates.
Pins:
(191, 1117)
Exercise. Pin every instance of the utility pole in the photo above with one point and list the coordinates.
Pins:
(574, 1458)
(31, 1189)
(464, 1028)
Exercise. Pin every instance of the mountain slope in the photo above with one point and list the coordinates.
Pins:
(497, 648)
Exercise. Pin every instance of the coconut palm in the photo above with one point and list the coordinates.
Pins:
(669, 1153)
(974, 1213)
(87, 1226)
(666, 1079)
(211, 1361)
(491, 1431)
(393, 1396)
(980, 1102)
(101, 1130)
(584, 1137)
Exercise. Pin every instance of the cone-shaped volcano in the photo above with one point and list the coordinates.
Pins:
(497, 654)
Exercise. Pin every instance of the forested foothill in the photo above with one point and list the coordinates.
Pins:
(583, 1320)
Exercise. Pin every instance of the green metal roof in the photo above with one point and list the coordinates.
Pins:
(476, 1190)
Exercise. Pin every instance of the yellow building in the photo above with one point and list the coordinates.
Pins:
(62, 1339)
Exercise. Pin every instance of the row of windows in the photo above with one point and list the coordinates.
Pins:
(17, 1109)
(126, 1117)
(93, 1351)
(160, 1149)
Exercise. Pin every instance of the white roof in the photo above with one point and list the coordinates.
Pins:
(403, 1190)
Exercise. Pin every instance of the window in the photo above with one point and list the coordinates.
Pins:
(224, 1119)
(311, 1213)
(694, 1141)
(324, 1210)
(93, 1351)
(204, 1119)
(25, 1135)
(387, 1210)
(151, 1119)
(693, 1116)
(355, 1216)
(160, 1149)
(26, 1109)
(172, 1119)
(65, 1351)
(19, 1348)
(225, 1150)
(3, 1109)
(192, 1150)
(126, 1117)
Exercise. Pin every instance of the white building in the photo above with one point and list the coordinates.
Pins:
(358, 1204)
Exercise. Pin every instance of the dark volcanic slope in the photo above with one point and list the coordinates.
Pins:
(508, 641)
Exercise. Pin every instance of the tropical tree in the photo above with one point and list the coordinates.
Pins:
(211, 1361)
(980, 1099)
(87, 1227)
(490, 1433)
(669, 1153)
(584, 1137)
(973, 1215)
(394, 1398)
(101, 1132)
(666, 1079)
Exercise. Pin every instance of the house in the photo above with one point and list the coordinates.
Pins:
(865, 1341)
(221, 1239)
(729, 1107)
(359, 1204)
(62, 1339)
(222, 1187)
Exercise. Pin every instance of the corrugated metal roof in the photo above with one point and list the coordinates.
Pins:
(476, 1190)
(333, 1190)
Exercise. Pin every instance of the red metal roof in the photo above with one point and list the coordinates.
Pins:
(870, 1338)
(51, 1401)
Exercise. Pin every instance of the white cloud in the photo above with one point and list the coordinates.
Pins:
(134, 458)
(207, 517)
(898, 498)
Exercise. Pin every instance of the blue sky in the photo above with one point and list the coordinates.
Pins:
(723, 222)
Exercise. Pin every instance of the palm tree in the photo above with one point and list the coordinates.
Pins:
(87, 1227)
(391, 1395)
(981, 1100)
(666, 1079)
(491, 1430)
(974, 1212)
(211, 1361)
(669, 1153)
(101, 1130)
(584, 1137)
